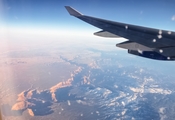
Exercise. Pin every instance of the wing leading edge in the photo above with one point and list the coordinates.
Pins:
(142, 41)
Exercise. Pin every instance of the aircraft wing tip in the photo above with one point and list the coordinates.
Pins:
(72, 11)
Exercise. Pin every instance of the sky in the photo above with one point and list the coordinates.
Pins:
(51, 14)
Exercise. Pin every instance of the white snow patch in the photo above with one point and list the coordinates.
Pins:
(124, 72)
(159, 90)
(151, 90)
(137, 108)
(124, 111)
(134, 97)
(98, 88)
(154, 86)
(106, 93)
(133, 76)
(68, 102)
(123, 103)
(82, 102)
(162, 114)
(115, 86)
(141, 70)
(136, 90)
(133, 118)
(149, 79)
(97, 112)
(111, 104)
(161, 110)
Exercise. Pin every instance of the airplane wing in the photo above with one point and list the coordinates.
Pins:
(142, 41)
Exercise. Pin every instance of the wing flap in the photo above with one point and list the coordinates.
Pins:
(133, 46)
(106, 34)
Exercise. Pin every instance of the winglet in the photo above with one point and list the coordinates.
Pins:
(73, 11)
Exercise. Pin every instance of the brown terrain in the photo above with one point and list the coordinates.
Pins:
(34, 76)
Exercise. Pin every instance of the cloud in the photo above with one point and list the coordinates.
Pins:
(173, 18)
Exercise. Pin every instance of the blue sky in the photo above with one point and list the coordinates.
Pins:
(52, 14)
